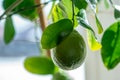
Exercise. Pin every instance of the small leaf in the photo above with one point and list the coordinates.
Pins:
(83, 21)
(116, 13)
(92, 41)
(51, 10)
(59, 12)
(116, 10)
(61, 76)
(9, 31)
(93, 1)
(93, 4)
(99, 0)
(110, 51)
(99, 25)
(80, 4)
(39, 65)
(54, 33)
(64, 10)
(68, 6)
(106, 3)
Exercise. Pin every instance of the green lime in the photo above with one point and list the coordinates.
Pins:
(71, 52)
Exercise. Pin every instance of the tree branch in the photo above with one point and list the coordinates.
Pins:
(42, 20)
(41, 15)
(11, 7)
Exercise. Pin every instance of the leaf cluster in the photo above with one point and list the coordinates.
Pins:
(66, 15)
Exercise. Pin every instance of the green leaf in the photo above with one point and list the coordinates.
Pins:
(80, 4)
(54, 33)
(92, 41)
(9, 30)
(51, 10)
(117, 12)
(61, 76)
(7, 3)
(93, 1)
(106, 3)
(99, 0)
(64, 10)
(83, 21)
(39, 65)
(110, 51)
(59, 12)
(29, 14)
(68, 7)
(99, 25)
(93, 4)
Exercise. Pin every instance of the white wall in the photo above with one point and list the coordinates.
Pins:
(95, 69)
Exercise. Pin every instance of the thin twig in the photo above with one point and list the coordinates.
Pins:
(25, 9)
(31, 7)
(11, 7)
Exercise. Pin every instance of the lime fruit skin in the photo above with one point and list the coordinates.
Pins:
(71, 52)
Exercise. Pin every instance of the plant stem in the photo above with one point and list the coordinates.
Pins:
(25, 9)
(11, 7)
(41, 15)
(42, 20)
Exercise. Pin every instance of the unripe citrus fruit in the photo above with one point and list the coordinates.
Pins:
(71, 52)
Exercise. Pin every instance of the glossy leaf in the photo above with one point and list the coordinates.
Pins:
(59, 12)
(39, 65)
(111, 46)
(29, 14)
(80, 4)
(9, 31)
(92, 41)
(99, 25)
(68, 7)
(64, 10)
(54, 33)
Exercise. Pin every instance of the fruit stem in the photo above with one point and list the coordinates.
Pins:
(42, 20)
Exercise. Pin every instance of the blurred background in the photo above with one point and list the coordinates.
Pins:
(26, 43)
